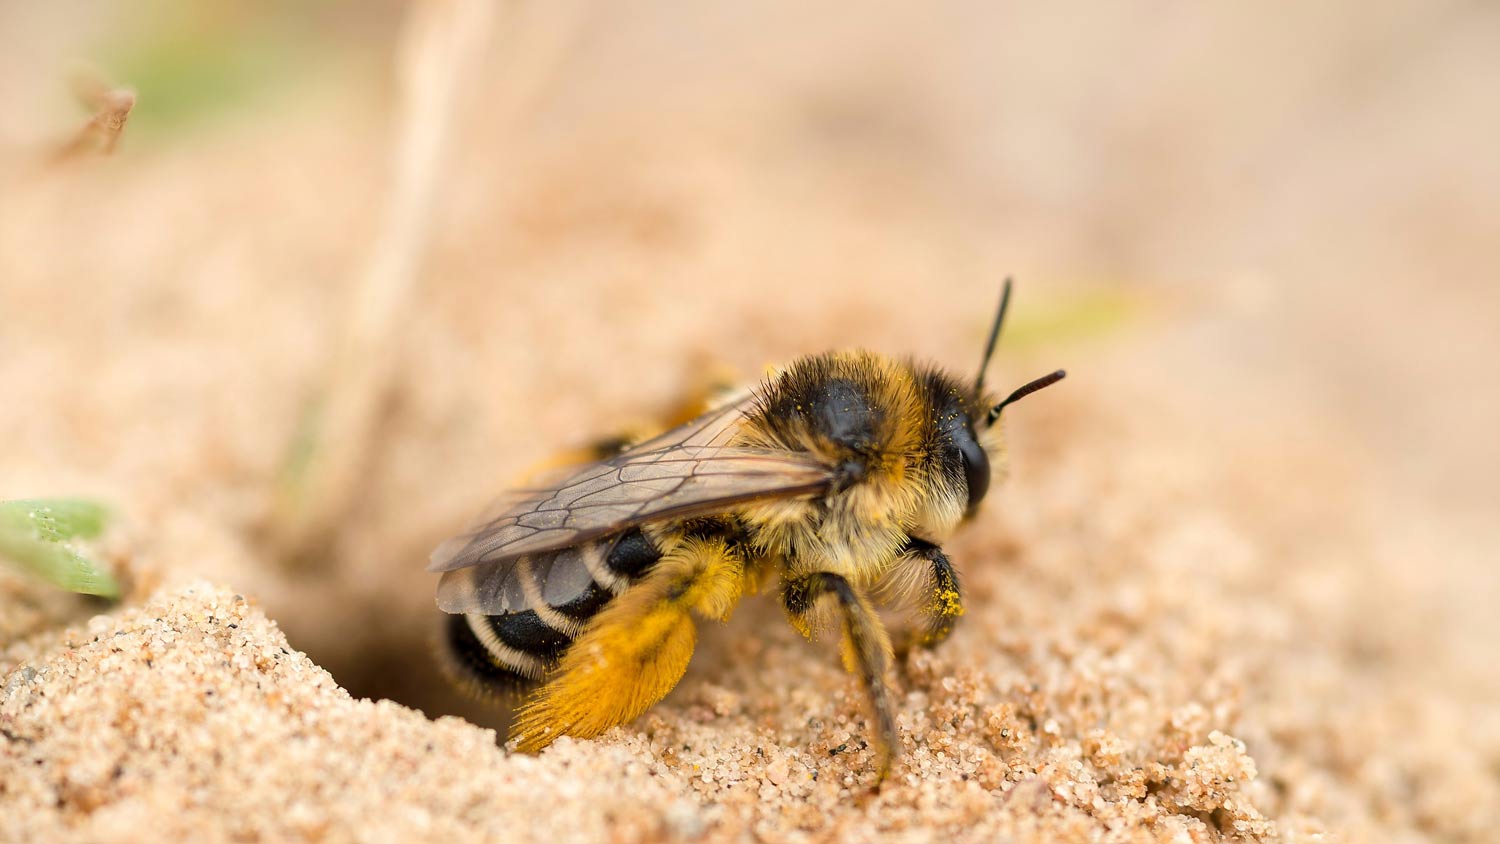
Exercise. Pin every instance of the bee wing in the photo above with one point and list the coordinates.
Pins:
(553, 578)
(625, 491)
(685, 472)
(713, 427)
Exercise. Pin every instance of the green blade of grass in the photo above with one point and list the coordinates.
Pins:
(34, 535)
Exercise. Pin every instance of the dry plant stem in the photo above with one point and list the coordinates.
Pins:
(102, 132)
(440, 42)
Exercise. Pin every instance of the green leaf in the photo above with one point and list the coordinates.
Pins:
(34, 534)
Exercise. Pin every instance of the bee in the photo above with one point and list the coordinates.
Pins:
(838, 476)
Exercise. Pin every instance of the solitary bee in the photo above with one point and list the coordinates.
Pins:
(838, 475)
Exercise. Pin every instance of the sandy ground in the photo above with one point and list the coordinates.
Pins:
(1239, 585)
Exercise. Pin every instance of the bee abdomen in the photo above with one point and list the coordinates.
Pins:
(514, 649)
(632, 555)
(587, 605)
(471, 659)
(527, 633)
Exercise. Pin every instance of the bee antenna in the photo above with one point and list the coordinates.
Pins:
(989, 346)
(1022, 392)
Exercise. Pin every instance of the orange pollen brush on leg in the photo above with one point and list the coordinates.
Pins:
(636, 650)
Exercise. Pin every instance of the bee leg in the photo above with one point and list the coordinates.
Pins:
(944, 601)
(636, 649)
(866, 648)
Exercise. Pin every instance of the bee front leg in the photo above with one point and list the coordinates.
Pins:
(866, 647)
(942, 598)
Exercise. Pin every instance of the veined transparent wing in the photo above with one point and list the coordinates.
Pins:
(687, 471)
(551, 578)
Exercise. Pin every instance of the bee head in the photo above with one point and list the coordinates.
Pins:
(962, 451)
(964, 421)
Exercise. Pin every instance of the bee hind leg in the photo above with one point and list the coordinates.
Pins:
(866, 648)
(636, 649)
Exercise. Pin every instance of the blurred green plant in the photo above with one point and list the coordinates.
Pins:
(34, 537)
(1085, 316)
(193, 62)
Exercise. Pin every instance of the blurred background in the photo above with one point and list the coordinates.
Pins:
(350, 267)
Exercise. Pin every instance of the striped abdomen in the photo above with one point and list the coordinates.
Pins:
(546, 600)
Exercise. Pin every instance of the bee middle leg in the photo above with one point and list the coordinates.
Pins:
(867, 648)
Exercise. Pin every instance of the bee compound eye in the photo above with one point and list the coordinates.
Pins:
(976, 466)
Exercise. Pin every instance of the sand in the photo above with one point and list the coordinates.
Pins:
(1238, 585)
